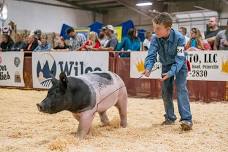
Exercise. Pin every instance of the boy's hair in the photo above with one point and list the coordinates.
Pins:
(69, 30)
(163, 18)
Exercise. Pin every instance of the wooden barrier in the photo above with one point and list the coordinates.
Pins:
(206, 91)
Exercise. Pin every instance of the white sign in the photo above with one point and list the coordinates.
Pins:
(205, 65)
(11, 69)
(137, 61)
(72, 63)
(208, 65)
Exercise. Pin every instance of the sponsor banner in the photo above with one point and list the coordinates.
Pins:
(137, 66)
(11, 69)
(48, 64)
(205, 65)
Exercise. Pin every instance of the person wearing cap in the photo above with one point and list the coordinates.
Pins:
(76, 39)
(112, 40)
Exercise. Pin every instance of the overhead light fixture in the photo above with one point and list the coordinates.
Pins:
(144, 4)
(3, 11)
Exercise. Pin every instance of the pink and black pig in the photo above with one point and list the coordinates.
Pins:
(84, 96)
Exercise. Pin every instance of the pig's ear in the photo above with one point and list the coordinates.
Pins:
(53, 80)
(63, 78)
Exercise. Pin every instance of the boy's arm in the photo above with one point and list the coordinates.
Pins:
(151, 56)
(179, 59)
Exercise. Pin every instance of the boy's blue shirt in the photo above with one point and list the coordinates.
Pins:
(167, 50)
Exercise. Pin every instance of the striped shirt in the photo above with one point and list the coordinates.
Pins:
(76, 42)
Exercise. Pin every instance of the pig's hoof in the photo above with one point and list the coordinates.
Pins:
(123, 124)
(105, 124)
(79, 136)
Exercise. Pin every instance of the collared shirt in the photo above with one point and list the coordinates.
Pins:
(43, 47)
(129, 44)
(112, 42)
(170, 52)
(77, 41)
(221, 37)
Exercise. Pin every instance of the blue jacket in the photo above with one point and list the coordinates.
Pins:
(171, 52)
(128, 44)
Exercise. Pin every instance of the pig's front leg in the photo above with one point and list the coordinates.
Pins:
(85, 122)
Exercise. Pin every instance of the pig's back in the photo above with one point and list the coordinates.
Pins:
(104, 83)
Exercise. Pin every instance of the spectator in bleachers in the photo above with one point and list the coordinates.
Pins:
(60, 43)
(195, 42)
(32, 43)
(76, 39)
(130, 43)
(183, 30)
(45, 45)
(102, 37)
(91, 43)
(221, 40)
(112, 40)
(19, 44)
(37, 35)
(146, 42)
(6, 43)
(212, 31)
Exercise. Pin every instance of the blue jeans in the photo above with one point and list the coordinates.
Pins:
(182, 95)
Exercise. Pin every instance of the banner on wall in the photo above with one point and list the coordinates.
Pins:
(11, 69)
(205, 65)
(118, 30)
(72, 63)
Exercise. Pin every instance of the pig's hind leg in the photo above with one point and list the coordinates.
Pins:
(122, 107)
(104, 118)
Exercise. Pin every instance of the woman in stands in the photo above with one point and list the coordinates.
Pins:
(6, 43)
(92, 42)
(196, 42)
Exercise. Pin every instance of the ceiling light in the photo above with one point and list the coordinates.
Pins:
(144, 4)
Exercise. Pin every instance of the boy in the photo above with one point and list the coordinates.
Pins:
(169, 44)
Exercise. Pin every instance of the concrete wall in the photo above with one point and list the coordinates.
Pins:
(48, 18)
(119, 15)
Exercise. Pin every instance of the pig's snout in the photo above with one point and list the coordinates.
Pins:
(40, 108)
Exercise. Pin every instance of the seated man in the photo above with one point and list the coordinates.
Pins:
(112, 40)
(221, 40)
(212, 31)
(76, 39)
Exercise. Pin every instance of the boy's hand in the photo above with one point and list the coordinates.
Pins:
(146, 73)
(164, 76)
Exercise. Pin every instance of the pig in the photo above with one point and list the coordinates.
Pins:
(85, 95)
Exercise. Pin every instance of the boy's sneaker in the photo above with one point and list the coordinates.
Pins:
(168, 122)
(186, 125)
